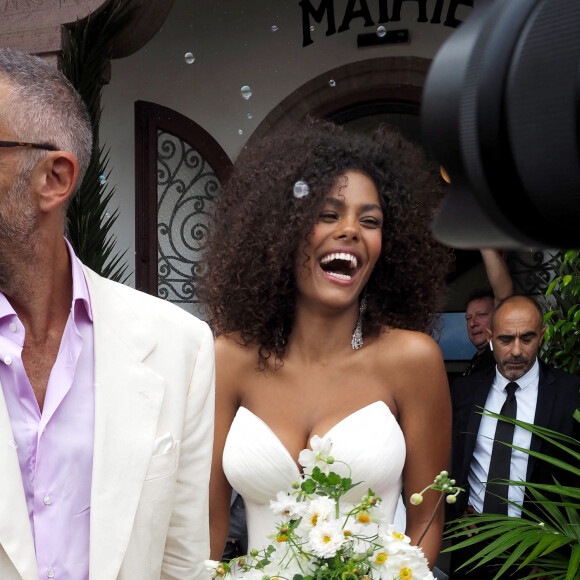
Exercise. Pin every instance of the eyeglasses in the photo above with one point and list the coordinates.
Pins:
(28, 145)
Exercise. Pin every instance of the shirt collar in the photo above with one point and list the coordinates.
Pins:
(80, 289)
(524, 381)
(81, 296)
(5, 307)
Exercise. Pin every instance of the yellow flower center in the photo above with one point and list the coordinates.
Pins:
(406, 573)
(326, 539)
(381, 558)
(399, 536)
(347, 533)
(282, 538)
(314, 519)
(363, 518)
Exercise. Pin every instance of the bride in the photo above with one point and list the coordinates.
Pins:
(323, 285)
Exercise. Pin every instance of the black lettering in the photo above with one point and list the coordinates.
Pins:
(326, 7)
(383, 12)
(350, 14)
(422, 10)
(453, 4)
(437, 12)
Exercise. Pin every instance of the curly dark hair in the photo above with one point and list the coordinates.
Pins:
(250, 287)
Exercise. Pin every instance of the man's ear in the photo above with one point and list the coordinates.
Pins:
(488, 334)
(54, 179)
(542, 332)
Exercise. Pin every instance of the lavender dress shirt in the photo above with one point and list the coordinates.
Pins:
(55, 447)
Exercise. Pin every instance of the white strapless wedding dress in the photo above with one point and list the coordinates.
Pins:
(258, 465)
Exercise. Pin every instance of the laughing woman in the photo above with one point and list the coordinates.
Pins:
(323, 287)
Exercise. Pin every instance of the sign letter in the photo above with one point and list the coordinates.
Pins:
(350, 14)
(326, 6)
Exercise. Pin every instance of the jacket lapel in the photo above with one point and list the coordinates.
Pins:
(544, 408)
(128, 397)
(15, 533)
(481, 390)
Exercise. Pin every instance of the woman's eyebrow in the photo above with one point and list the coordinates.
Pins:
(337, 202)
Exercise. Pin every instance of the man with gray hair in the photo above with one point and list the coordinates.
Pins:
(106, 393)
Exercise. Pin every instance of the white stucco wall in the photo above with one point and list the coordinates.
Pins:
(234, 45)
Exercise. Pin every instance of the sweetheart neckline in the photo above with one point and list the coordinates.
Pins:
(285, 449)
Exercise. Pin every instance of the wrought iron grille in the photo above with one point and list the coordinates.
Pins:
(531, 271)
(187, 188)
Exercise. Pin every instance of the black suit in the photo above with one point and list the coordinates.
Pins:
(558, 396)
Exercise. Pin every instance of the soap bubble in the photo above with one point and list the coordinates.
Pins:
(189, 58)
(301, 189)
(246, 92)
(381, 31)
(273, 28)
(240, 132)
(332, 83)
(102, 180)
(249, 115)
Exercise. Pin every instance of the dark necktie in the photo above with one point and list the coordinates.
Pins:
(496, 494)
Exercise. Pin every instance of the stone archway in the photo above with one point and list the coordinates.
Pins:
(397, 79)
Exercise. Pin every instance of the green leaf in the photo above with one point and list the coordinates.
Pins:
(318, 476)
(574, 563)
(551, 286)
(347, 483)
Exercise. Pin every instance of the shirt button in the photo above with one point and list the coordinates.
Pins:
(7, 360)
(47, 500)
(50, 573)
(12, 327)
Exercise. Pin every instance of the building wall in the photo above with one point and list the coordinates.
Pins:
(245, 42)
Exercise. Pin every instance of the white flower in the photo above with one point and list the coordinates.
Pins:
(326, 539)
(316, 456)
(211, 567)
(351, 527)
(353, 534)
(395, 541)
(286, 506)
(317, 511)
(410, 565)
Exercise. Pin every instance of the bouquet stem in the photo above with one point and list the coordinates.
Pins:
(430, 519)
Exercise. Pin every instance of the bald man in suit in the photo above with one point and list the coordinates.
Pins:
(545, 397)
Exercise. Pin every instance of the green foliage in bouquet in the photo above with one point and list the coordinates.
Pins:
(85, 62)
(562, 340)
(547, 538)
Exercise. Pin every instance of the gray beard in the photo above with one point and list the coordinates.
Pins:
(18, 233)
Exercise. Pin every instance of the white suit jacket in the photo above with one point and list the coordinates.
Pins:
(154, 375)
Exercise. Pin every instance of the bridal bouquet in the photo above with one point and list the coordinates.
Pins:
(320, 537)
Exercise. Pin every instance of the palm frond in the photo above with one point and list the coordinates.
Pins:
(85, 63)
(547, 538)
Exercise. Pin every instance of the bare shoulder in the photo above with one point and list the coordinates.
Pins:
(408, 347)
(233, 357)
(413, 360)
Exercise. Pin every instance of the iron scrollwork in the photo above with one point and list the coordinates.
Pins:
(531, 271)
(187, 188)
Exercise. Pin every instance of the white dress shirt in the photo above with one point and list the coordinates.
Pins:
(527, 398)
